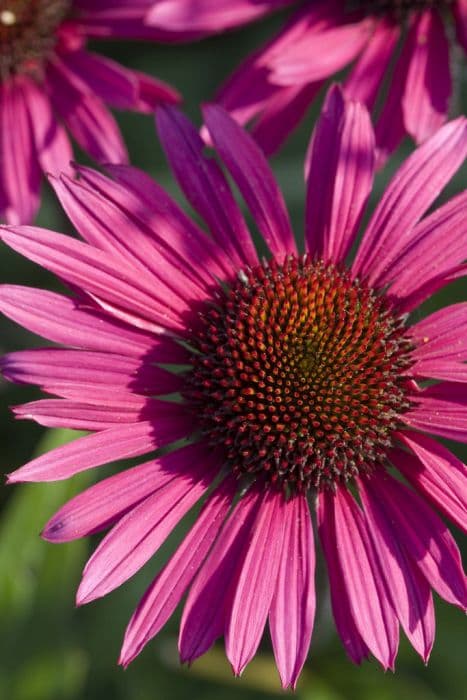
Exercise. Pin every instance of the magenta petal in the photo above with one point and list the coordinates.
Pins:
(408, 589)
(206, 608)
(62, 320)
(293, 605)
(256, 582)
(164, 593)
(363, 579)
(345, 623)
(138, 535)
(53, 147)
(436, 473)
(124, 291)
(252, 174)
(106, 446)
(365, 78)
(428, 84)
(75, 415)
(426, 538)
(340, 176)
(205, 185)
(441, 409)
(182, 17)
(407, 198)
(19, 168)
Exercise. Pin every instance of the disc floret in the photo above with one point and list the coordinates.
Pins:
(298, 374)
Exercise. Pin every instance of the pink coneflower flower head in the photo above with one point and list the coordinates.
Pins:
(51, 85)
(297, 383)
(397, 53)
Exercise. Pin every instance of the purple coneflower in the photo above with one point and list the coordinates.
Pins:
(293, 381)
(395, 46)
(50, 84)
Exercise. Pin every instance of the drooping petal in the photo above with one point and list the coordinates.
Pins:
(109, 445)
(19, 168)
(408, 196)
(55, 370)
(256, 582)
(52, 145)
(96, 272)
(205, 185)
(343, 616)
(63, 320)
(365, 78)
(189, 20)
(139, 533)
(293, 604)
(428, 85)
(408, 589)
(441, 344)
(165, 592)
(436, 473)
(104, 503)
(76, 415)
(418, 258)
(363, 579)
(206, 608)
(426, 538)
(340, 176)
(252, 174)
(441, 409)
(175, 234)
(85, 115)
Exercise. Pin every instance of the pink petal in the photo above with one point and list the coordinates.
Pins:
(205, 186)
(109, 445)
(165, 592)
(85, 115)
(293, 605)
(104, 503)
(436, 473)
(53, 147)
(61, 320)
(281, 114)
(407, 198)
(98, 212)
(440, 409)
(363, 580)
(345, 622)
(332, 49)
(408, 589)
(19, 168)
(252, 174)
(428, 85)
(54, 369)
(75, 415)
(176, 236)
(140, 533)
(426, 538)
(204, 17)
(419, 258)
(441, 344)
(96, 272)
(365, 78)
(206, 608)
(256, 582)
(340, 177)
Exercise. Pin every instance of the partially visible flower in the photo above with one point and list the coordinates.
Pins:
(50, 84)
(396, 48)
(297, 381)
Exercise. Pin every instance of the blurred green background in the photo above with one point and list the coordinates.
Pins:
(49, 649)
